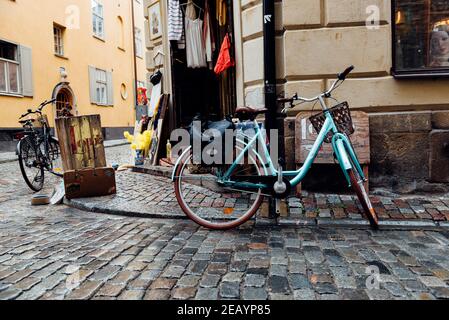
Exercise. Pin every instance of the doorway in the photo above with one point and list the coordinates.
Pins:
(198, 90)
(65, 105)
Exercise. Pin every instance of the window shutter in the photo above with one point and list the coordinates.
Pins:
(93, 84)
(110, 89)
(26, 67)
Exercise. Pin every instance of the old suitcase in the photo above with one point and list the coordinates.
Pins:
(91, 182)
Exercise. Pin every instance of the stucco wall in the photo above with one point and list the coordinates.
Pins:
(30, 23)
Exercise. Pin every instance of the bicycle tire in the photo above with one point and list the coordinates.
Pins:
(202, 222)
(362, 194)
(22, 144)
(54, 155)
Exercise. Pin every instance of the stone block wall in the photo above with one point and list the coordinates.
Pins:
(319, 38)
(409, 151)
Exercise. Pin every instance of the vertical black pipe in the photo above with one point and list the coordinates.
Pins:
(270, 64)
(269, 43)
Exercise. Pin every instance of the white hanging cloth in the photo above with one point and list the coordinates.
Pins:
(155, 97)
(190, 10)
(196, 54)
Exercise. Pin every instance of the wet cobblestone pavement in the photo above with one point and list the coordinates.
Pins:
(63, 253)
(144, 195)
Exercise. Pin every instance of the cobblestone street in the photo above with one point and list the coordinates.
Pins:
(58, 252)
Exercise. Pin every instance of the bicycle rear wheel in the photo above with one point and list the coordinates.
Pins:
(32, 170)
(54, 158)
(210, 204)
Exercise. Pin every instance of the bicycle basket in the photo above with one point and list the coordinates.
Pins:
(342, 118)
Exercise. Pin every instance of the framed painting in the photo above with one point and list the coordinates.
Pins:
(155, 20)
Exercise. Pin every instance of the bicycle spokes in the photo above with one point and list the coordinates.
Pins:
(212, 202)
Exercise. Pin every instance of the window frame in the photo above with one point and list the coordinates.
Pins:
(97, 17)
(7, 63)
(59, 45)
(100, 83)
(410, 73)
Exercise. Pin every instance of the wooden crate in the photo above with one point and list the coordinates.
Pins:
(306, 137)
(81, 142)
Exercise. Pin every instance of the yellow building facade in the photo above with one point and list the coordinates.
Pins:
(80, 52)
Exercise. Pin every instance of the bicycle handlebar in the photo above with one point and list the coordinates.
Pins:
(39, 109)
(340, 78)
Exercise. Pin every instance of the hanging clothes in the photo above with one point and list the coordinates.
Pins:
(222, 12)
(190, 10)
(175, 27)
(225, 60)
(154, 100)
(208, 39)
(196, 54)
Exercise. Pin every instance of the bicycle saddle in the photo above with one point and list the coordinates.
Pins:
(249, 112)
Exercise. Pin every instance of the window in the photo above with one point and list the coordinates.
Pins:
(9, 68)
(139, 43)
(98, 19)
(421, 38)
(102, 87)
(58, 33)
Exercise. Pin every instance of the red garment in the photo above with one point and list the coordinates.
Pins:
(225, 60)
(142, 96)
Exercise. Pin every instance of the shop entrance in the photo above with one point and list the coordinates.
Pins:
(197, 88)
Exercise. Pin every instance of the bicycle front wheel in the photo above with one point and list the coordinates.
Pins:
(210, 204)
(30, 166)
(359, 188)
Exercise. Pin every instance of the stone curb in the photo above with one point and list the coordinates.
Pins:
(355, 224)
(349, 223)
(81, 204)
(157, 171)
(117, 143)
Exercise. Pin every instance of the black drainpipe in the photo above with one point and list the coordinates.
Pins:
(271, 121)
(274, 120)
(270, 64)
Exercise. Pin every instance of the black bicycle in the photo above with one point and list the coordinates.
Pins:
(38, 151)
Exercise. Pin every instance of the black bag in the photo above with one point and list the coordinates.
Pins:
(207, 132)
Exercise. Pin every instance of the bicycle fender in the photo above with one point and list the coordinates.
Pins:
(178, 163)
(18, 147)
(342, 157)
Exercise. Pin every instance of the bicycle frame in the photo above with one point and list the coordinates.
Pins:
(341, 145)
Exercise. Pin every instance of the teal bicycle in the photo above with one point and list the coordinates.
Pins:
(226, 196)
